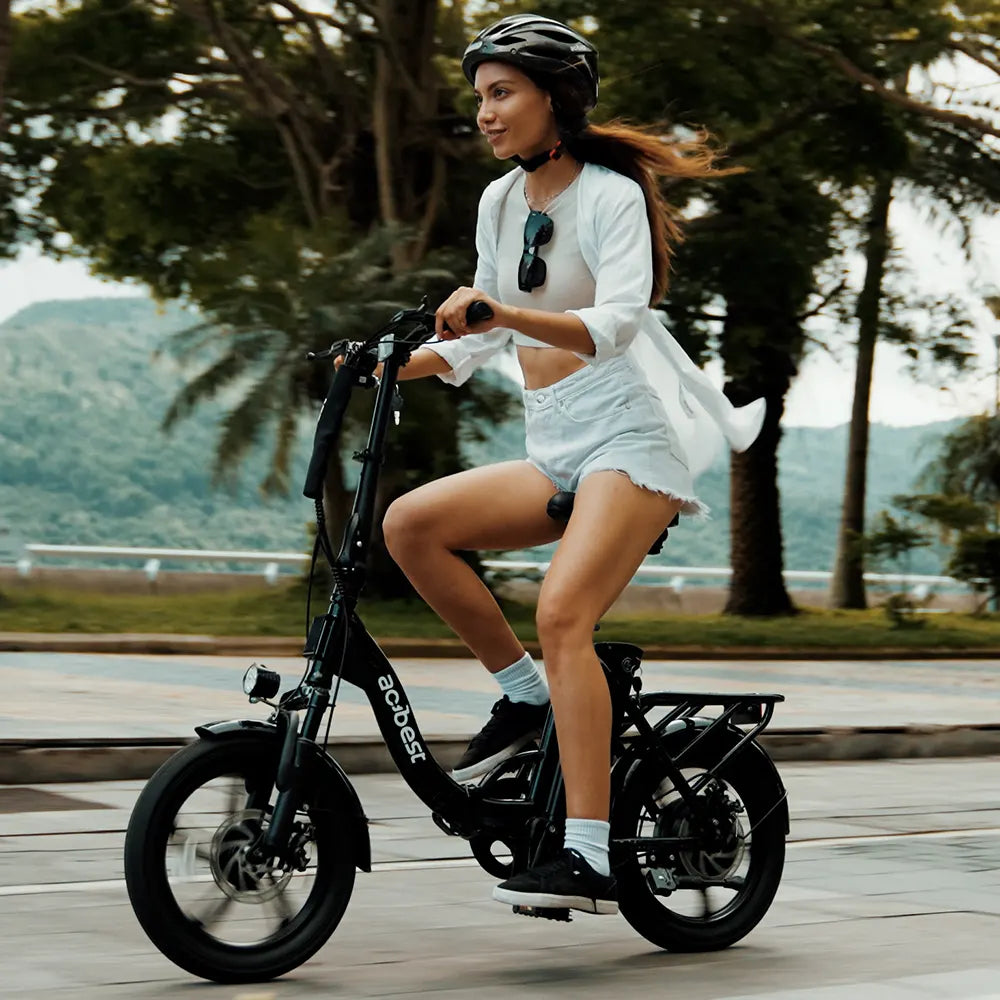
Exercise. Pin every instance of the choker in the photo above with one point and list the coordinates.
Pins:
(534, 162)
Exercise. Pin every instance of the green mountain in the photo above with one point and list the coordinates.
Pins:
(83, 461)
(82, 458)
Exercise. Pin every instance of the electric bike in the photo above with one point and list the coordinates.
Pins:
(242, 849)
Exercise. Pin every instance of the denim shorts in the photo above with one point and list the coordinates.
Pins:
(606, 417)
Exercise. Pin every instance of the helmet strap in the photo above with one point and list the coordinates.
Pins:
(534, 162)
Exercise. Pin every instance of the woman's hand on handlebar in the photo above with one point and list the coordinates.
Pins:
(452, 312)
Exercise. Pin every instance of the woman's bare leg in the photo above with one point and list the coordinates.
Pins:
(494, 507)
(613, 525)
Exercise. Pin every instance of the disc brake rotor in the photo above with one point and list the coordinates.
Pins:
(713, 862)
(234, 873)
(717, 862)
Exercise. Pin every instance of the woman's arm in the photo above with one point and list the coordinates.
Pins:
(423, 362)
(458, 347)
(563, 330)
(623, 275)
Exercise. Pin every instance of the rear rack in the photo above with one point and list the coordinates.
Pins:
(737, 709)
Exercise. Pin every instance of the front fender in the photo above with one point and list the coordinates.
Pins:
(333, 782)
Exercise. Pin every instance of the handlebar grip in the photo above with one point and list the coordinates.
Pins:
(476, 313)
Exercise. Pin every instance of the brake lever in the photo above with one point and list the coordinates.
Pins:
(337, 347)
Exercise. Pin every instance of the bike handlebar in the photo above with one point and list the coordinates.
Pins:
(356, 364)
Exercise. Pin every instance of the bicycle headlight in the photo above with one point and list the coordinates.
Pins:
(259, 682)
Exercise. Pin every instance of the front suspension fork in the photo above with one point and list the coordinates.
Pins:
(290, 775)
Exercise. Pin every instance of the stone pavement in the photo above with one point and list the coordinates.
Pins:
(74, 695)
(891, 892)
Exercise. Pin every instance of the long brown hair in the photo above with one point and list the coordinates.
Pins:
(646, 154)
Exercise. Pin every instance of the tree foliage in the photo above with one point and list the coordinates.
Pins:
(977, 560)
(963, 498)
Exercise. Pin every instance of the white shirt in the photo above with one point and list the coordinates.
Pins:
(568, 281)
(615, 241)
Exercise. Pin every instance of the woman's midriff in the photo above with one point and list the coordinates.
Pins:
(542, 366)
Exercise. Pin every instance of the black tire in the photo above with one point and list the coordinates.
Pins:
(659, 916)
(155, 833)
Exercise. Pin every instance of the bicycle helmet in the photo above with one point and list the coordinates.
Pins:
(547, 51)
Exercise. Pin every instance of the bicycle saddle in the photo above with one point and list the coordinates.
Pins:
(560, 507)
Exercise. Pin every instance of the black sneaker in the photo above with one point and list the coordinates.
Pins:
(513, 725)
(565, 882)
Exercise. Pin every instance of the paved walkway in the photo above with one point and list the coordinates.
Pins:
(891, 891)
(64, 695)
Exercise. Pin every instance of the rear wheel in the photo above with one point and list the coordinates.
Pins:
(193, 884)
(711, 894)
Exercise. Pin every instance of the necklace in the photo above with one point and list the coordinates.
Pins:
(535, 206)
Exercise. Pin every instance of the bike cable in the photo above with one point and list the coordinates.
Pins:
(336, 689)
(322, 541)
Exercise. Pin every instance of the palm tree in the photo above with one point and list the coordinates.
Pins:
(289, 293)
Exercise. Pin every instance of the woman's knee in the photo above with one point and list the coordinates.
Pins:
(561, 620)
(405, 520)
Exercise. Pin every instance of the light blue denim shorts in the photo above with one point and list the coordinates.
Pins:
(606, 418)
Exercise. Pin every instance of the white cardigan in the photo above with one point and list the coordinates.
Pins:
(615, 242)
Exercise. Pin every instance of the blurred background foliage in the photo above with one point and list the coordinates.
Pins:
(292, 174)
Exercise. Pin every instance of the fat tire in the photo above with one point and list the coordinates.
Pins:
(180, 938)
(752, 776)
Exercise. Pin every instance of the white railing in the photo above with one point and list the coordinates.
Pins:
(677, 576)
(154, 557)
(724, 572)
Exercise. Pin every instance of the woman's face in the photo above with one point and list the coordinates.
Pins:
(515, 114)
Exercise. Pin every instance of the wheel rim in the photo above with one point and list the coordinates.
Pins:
(214, 882)
(708, 883)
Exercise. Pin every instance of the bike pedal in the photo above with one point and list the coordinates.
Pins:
(544, 912)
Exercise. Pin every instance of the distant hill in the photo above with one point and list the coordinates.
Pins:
(82, 459)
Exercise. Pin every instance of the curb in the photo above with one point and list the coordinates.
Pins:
(263, 646)
(38, 762)
(34, 762)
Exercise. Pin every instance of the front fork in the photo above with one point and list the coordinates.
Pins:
(290, 775)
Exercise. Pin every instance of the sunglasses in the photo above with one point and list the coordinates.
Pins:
(537, 232)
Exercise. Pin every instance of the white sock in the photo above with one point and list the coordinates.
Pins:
(522, 681)
(589, 837)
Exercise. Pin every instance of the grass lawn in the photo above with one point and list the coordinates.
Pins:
(281, 611)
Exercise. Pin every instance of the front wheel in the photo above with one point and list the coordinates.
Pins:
(710, 894)
(192, 881)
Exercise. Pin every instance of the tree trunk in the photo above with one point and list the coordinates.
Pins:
(5, 30)
(404, 102)
(757, 586)
(847, 588)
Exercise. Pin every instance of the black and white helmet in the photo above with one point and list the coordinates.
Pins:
(542, 48)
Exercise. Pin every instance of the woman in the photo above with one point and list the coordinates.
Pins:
(574, 245)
